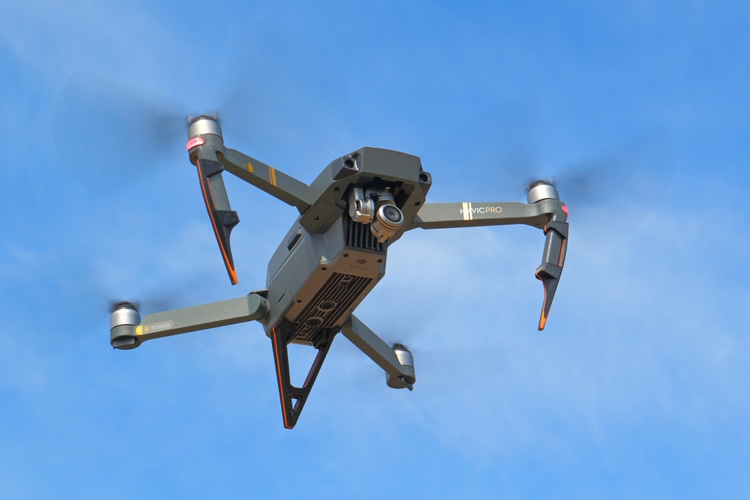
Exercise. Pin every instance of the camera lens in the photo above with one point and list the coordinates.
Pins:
(388, 220)
(393, 214)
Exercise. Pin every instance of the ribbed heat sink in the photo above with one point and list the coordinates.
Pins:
(328, 306)
(358, 235)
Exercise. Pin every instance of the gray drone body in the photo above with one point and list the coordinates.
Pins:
(334, 254)
(331, 258)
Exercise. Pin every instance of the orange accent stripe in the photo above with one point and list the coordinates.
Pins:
(543, 317)
(272, 175)
(278, 376)
(563, 249)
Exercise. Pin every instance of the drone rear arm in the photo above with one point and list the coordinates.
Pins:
(547, 214)
(399, 375)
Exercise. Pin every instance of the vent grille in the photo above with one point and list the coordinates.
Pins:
(331, 302)
(358, 235)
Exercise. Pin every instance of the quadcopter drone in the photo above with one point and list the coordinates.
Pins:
(334, 254)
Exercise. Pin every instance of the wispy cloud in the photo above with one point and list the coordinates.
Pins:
(637, 384)
(83, 33)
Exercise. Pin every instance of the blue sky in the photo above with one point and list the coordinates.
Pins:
(638, 386)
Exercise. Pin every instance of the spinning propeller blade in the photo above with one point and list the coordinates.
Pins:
(491, 155)
(611, 194)
(108, 135)
(281, 98)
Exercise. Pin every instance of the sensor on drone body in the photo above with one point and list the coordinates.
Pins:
(334, 254)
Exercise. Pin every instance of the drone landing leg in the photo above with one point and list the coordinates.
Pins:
(223, 218)
(293, 398)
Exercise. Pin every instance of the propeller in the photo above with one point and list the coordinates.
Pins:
(279, 97)
(61, 298)
(493, 156)
(439, 362)
(612, 193)
(110, 135)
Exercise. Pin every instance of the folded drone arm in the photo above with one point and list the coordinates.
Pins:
(549, 215)
(274, 182)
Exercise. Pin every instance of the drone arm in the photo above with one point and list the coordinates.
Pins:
(470, 214)
(207, 152)
(399, 375)
(274, 182)
(125, 335)
(548, 214)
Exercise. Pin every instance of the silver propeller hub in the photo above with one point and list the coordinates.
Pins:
(541, 190)
(203, 125)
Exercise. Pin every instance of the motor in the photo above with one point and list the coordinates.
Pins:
(406, 359)
(122, 326)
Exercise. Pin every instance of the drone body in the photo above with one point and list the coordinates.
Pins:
(334, 254)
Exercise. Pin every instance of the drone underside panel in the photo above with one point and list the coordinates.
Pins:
(323, 278)
(328, 306)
